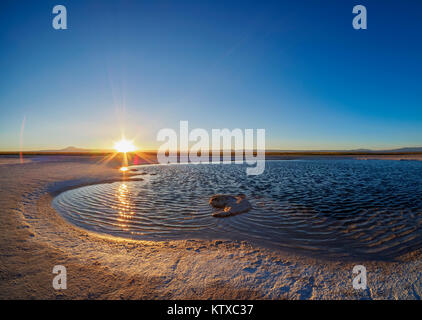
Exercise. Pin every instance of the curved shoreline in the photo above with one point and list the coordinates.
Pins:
(35, 238)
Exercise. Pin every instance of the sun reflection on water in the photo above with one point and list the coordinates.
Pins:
(124, 206)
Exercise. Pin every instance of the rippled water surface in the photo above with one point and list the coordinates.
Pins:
(337, 208)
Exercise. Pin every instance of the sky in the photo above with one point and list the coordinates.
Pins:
(297, 69)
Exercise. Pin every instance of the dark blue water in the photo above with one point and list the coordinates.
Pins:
(332, 208)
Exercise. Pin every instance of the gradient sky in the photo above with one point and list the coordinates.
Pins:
(295, 68)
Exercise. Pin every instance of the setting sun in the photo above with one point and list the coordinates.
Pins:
(124, 146)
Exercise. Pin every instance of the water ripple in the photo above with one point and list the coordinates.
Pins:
(337, 208)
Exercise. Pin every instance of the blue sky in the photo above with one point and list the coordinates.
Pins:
(295, 68)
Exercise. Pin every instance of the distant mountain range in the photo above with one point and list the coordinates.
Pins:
(73, 149)
(416, 149)
(399, 150)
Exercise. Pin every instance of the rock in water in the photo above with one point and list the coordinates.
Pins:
(231, 205)
(221, 200)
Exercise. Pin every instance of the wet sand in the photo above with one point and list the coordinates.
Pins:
(5, 161)
(34, 238)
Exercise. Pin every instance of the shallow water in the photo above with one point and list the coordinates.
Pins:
(331, 208)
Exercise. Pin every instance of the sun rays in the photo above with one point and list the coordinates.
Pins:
(126, 153)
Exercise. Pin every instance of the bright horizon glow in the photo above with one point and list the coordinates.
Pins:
(124, 146)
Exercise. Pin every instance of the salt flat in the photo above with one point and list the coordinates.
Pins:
(34, 238)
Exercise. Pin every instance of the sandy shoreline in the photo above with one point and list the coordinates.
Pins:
(34, 238)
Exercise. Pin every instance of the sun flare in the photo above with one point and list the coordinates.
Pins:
(124, 146)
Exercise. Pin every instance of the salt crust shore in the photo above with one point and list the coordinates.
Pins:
(34, 238)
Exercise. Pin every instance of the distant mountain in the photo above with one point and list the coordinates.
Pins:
(72, 149)
(415, 149)
(399, 150)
